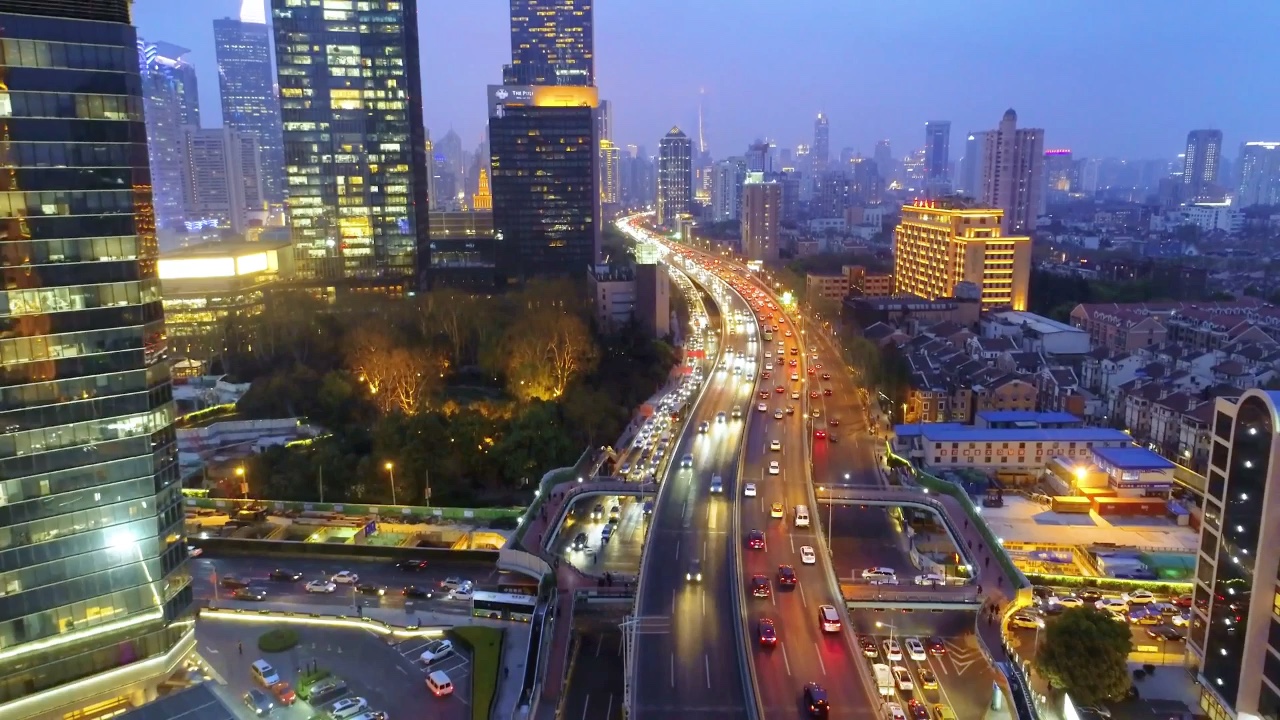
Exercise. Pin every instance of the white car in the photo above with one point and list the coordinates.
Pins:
(892, 650)
(749, 490)
(895, 711)
(1067, 601)
(453, 583)
(345, 577)
(464, 592)
(436, 650)
(902, 677)
(777, 414)
(1112, 604)
(197, 552)
(795, 377)
(795, 395)
(1138, 597)
(768, 366)
(776, 445)
(915, 650)
(774, 468)
(930, 579)
(880, 576)
(346, 707)
(807, 555)
(321, 586)
(762, 407)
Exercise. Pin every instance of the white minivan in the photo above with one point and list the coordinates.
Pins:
(802, 516)
(884, 679)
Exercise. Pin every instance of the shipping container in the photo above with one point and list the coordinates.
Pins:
(1151, 507)
(1097, 492)
(1063, 504)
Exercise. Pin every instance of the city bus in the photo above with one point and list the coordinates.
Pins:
(503, 606)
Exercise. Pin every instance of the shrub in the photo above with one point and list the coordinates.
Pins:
(278, 640)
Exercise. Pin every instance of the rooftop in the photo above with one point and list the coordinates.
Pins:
(1132, 458)
(998, 416)
(1039, 323)
(198, 702)
(951, 432)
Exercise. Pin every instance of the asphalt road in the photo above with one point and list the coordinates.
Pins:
(621, 554)
(686, 657)
(865, 536)
(207, 572)
(595, 687)
(963, 676)
(804, 653)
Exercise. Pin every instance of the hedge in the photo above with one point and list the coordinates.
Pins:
(1109, 583)
(485, 644)
(278, 640)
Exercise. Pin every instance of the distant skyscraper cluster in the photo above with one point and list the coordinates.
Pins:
(247, 85)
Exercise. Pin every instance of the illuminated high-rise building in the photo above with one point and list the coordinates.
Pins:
(761, 218)
(610, 188)
(1259, 174)
(675, 176)
(552, 43)
(939, 244)
(1200, 166)
(354, 143)
(95, 596)
(727, 177)
(937, 151)
(170, 95)
(546, 202)
(222, 177)
(246, 83)
(1012, 160)
(482, 200)
(820, 153)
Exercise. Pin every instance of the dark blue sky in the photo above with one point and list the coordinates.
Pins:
(1105, 78)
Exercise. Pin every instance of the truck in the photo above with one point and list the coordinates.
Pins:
(884, 679)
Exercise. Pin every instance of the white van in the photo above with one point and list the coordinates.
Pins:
(802, 516)
(263, 673)
(439, 684)
(884, 679)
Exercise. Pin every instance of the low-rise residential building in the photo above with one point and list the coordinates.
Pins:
(623, 293)
(829, 287)
(1036, 332)
(941, 446)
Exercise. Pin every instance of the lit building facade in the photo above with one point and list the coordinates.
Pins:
(1059, 173)
(938, 245)
(552, 43)
(1200, 166)
(1259, 174)
(761, 217)
(675, 176)
(221, 177)
(820, 153)
(354, 143)
(546, 201)
(727, 177)
(95, 597)
(170, 94)
(1235, 641)
(610, 193)
(1012, 168)
(246, 83)
(937, 151)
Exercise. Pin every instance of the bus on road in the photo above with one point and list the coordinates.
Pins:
(503, 606)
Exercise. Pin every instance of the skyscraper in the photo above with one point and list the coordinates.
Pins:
(675, 194)
(552, 43)
(727, 177)
(169, 94)
(1012, 162)
(246, 83)
(970, 180)
(937, 151)
(542, 143)
(820, 153)
(939, 244)
(221, 178)
(1259, 174)
(883, 155)
(1059, 170)
(758, 158)
(1234, 636)
(609, 173)
(90, 504)
(1200, 166)
(354, 143)
(761, 212)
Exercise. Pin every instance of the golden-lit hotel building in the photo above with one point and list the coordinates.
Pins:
(940, 243)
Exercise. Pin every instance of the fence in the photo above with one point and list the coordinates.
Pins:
(1015, 577)
(388, 511)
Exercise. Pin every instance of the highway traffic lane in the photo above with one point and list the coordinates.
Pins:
(964, 677)
(662, 688)
(866, 537)
(621, 554)
(804, 652)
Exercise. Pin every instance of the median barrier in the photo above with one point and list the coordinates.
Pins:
(294, 548)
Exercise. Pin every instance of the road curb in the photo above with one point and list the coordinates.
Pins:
(323, 620)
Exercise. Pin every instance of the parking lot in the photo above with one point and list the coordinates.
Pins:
(388, 677)
(1158, 637)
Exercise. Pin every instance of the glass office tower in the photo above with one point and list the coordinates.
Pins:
(92, 559)
(552, 43)
(354, 143)
(246, 82)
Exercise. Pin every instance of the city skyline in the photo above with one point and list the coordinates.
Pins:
(1061, 93)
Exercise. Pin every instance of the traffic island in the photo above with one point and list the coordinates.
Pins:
(277, 640)
(485, 645)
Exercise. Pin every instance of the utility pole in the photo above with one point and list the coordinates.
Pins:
(320, 483)
(426, 493)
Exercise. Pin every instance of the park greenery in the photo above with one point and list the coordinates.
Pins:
(1085, 653)
(471, 397)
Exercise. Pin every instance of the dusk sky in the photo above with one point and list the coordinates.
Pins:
(1104, 78)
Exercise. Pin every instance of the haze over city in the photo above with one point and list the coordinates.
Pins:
(1106, 79)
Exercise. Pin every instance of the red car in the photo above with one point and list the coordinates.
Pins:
(780, 389)
(786, 575)
(792, 363)
(820, 434)
(936, 646)
(813, 394)
(812, 371)
(1182, 601)
(764, 394)
(766, 375)
(768, 634)
(755, 540)
(759, 586)
(826, 391)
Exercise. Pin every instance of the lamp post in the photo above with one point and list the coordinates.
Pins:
(391, 472)
(244, 484)
(886, 625)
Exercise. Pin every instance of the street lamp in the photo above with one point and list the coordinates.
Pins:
(391, 470)
(244, 484)
(886, 625)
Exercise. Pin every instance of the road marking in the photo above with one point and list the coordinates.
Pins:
(706, 663)
(599, 645)
(821, 664)
(608, 711)
(673, 601)
(704, 604)
(785, 661)
(791, 538)
(210, 650)
(802, 597)
(406, 672)
(677, 549)
(585, 702)
(773, 598)
(673, 670)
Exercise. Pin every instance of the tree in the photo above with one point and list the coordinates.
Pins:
(1086, 653)
(398, 378)
(546, 350)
